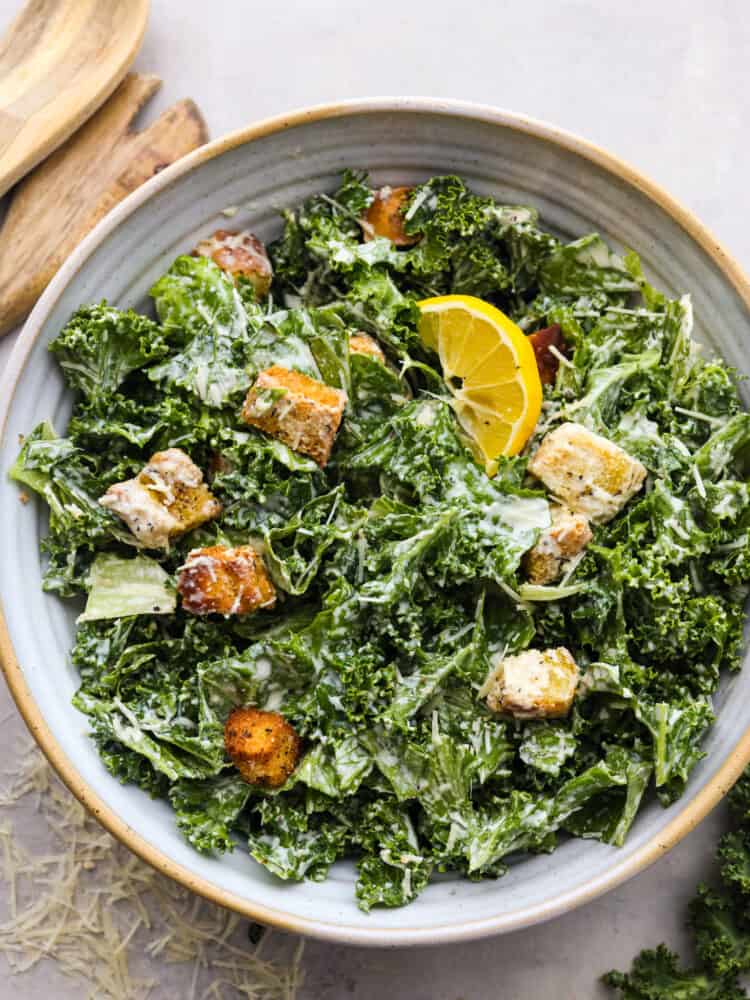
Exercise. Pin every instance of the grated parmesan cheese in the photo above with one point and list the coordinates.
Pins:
(96, 910)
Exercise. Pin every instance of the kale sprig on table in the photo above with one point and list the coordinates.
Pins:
(719, 918)
(400, 562)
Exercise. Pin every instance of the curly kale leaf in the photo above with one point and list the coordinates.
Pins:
(609, 815)
(464, 243)
(656, 975)
(418, 687)
(375, 303)
(110, 656)
(527, 822)
(376, 395)
(296, 269)
(718, 914)
(457, 249)
(199, 307)
(476, 527)
(604, 388)
(131, 767)
(262, 484)
(677, 730)
(722, 933)
(546, 746)
(337, 768)
(413, 450)
(394, 868)
(676, 727)
(294, 551)
(207, 811)
(726, 450)
(140, 690)
(294, 843)
(160, 740)
(139, 426)
(100, 346)
(587, 265)
(62, 475)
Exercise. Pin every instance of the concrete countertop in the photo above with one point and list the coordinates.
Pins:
(661, 84)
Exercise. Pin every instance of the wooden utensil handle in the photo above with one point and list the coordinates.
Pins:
(63, 199)
(59, 61)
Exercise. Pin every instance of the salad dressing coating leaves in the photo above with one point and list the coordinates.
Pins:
(398, 566)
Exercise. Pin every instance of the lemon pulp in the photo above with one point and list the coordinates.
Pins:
(490, 369)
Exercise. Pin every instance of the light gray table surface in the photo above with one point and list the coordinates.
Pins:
(662, 83)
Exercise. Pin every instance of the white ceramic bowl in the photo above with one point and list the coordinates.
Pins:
(578, 188)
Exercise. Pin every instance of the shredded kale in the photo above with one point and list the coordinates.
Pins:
(399, 565)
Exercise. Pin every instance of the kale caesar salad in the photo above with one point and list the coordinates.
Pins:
(419, 537)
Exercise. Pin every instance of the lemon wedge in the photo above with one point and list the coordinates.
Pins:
(490, 368)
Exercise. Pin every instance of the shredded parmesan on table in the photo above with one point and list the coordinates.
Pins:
(95, 909)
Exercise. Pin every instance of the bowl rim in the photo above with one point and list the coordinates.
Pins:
(377, 936)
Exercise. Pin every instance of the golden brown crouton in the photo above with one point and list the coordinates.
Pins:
(262, 745)
(568, 535)
(167, 498)
(385, 216)
(588, 473)
(296, 409)
(219, 580)
(239, 254)
(535, 684)
(363, 343)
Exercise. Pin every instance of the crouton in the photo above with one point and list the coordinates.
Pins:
(296, 409)
(586, 472)
(263, 746)
(385, 216)
(535, 684)
(219, 580)
(363, 343)
(566, 537)
(167, 498)
(546, 360)
(239, 254)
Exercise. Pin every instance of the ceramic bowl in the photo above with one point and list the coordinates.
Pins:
(577, 188)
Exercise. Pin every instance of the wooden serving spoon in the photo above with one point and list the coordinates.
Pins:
(59, 60)
(53, 208)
